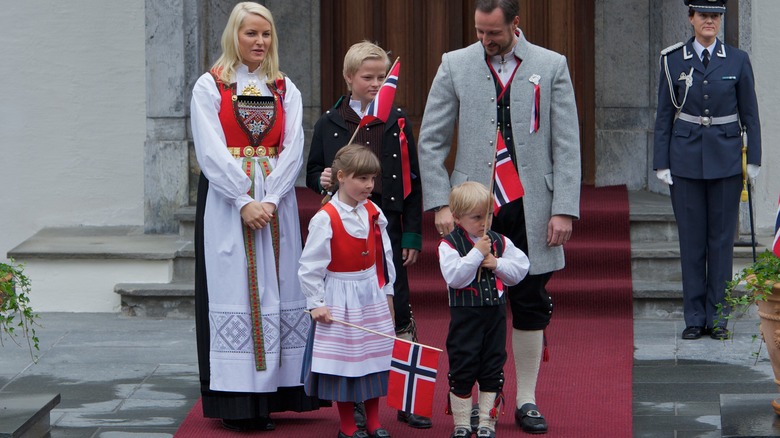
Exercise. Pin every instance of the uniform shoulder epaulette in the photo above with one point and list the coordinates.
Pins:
(672, 48)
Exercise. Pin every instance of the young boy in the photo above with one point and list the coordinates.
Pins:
(365, 68)
(476, 263)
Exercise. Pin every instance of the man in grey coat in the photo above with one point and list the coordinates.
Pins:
(504, 84)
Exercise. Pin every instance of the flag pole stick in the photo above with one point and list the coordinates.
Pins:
(380, 333)
(354, 134)
(489, 212)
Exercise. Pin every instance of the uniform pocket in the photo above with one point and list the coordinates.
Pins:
(682, 130)
(732, 130)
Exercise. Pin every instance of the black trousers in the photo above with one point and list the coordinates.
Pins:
(476, 348)
(401, 306)
(530, 303)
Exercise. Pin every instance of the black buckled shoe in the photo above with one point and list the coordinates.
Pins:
(693, 332)
(530, 419)
(380, 433)
(720, 333)
(358, 434)
(460, 432)
(484, 432)
(414, 421)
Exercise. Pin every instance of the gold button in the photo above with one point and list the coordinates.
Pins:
(249, 151)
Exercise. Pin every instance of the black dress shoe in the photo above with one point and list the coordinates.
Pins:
(380, 433)
(414, 421)
(720, 333)
(530, 419)
(358, 434)
(246, 424)
(693, 332)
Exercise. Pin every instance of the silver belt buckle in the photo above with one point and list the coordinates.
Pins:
(706, 121)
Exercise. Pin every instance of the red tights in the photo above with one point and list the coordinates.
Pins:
(347, 416)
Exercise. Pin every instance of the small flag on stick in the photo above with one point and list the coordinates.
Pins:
(412, 378)
(506, 184)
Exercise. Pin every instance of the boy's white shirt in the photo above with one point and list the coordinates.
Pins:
(459, 271)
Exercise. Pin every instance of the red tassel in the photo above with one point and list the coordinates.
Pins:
(448, 409)
(497, 404)
(545, 350)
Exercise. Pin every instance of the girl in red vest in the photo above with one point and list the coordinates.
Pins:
(347, 273)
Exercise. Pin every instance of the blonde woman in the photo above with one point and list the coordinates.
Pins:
(250, 320)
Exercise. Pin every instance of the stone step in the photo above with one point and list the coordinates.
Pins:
(652, 218)
(158, 300)
(26, 415)
(186, 217)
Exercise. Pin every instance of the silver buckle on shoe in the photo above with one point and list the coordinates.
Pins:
(533, 413)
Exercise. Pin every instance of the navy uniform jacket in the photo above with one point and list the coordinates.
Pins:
(331, 134)
(724, 88)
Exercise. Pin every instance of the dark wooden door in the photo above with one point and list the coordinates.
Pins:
(420, 31)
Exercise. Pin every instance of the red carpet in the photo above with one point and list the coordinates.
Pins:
(585, 388)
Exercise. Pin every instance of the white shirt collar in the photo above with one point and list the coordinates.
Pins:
(355, 105)
(344, 206)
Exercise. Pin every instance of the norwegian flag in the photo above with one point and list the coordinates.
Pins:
(380, 107)
(412, 378)
(506, 184)
(776, 244)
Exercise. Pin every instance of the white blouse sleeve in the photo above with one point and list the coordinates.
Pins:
(223, 172)
(288, 166)
(513, 266)
(458, 271)
(315, 259)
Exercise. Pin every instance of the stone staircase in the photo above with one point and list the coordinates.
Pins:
(165, 289)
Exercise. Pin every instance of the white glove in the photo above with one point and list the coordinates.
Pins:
(752, 171)
(665, 175)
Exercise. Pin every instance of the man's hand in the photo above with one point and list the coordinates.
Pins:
(443, 221)
(558, 230)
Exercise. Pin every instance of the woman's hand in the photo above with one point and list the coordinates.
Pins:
(321, 314)
(256, 215)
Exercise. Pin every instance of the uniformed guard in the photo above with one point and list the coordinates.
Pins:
(706, 101)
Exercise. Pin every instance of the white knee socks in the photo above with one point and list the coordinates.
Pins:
(527, 346)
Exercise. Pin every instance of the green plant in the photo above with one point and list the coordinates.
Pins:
(16, 315)
(758, 278)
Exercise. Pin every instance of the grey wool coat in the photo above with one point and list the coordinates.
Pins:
(548, 160)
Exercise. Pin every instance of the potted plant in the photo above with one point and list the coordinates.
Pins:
(761, 281)
(17, 318)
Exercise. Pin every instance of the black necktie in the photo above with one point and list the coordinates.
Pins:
(705, 57)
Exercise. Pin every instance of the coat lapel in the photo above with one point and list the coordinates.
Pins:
(522, 93)
(717, 59)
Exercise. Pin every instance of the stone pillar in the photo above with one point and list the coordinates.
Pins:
(623, 92)
(168, 23)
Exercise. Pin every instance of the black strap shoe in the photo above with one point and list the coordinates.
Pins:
(530, 419)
